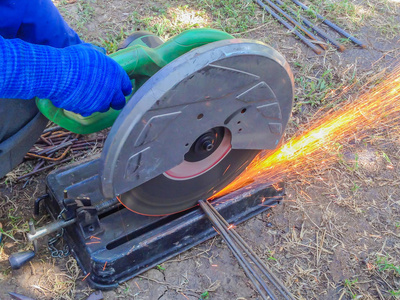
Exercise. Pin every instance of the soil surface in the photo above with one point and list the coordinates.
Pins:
(336, 235)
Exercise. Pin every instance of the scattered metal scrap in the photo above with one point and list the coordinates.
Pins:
(278, 12)
(56, 146)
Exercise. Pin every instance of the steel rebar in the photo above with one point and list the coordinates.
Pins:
(295, 23)
(52, 129)
(330, 24)
(250, 272)
(45, 168)
(314, 27)
(229, 235)
(259, 263)
(288, 26)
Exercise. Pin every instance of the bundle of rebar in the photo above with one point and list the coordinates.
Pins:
(309, 36)
(56, 146)
(253, 266)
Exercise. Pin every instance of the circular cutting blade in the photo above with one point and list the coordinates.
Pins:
(195, 125)
(182, 186)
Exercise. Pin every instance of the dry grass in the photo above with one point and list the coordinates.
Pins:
(53, 282)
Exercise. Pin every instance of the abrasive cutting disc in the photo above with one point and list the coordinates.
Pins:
(195, 126)
(181, 187)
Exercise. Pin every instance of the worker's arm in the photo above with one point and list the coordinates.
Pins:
(36, 22)
(76, 78)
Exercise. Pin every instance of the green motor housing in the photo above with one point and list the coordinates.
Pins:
(144, 55)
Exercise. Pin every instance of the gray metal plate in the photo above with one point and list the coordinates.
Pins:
(242, 85)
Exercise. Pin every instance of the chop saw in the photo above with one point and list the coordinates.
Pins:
(203, 106)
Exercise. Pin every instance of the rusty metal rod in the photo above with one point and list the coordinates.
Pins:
(58, 134)
(77, 149)
(45, 140)
(52, 129)
(45, 168)
(297, 24)
(39, 165)
(59, 147)
(55, 147)
(81, 143)
(49, 158)
(314, 27)
(288, 26)
(331, 25)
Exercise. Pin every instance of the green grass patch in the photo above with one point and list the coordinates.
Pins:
(314, 90)
(384, 264)
(350, 285)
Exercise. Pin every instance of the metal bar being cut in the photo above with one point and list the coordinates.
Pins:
(237, 245)
(250, 253)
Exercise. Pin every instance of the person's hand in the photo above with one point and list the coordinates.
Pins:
(90, 81)
(77, 78)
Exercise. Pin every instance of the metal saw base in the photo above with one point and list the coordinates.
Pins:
(131, 244)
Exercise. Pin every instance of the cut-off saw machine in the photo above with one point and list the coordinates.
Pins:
(203, 106)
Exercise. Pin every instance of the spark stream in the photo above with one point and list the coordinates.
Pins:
(375, 108)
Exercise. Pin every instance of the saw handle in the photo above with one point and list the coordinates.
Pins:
(140, 63)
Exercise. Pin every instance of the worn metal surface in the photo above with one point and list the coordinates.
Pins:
(131, 244)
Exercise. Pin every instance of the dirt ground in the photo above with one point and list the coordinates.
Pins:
(337, 233)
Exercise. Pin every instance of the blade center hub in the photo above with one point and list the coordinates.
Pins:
(205, 145)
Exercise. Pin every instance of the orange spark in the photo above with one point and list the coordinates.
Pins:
(104, 266)
(131, 250)
(370, 266)
(377, 107)
(86, 276)
(226, 170)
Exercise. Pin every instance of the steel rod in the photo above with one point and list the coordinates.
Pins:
(314, 27)
(32, 230)
(49, 228)
(332, 25)
(52, 129)
(295, 23)
(260, 264)
(250, 272)
(46, 167)
(288, 26)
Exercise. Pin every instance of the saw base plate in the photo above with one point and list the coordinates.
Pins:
(130, 244)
